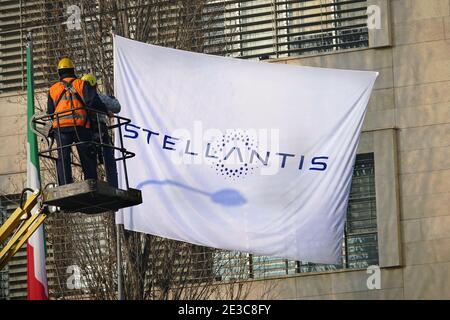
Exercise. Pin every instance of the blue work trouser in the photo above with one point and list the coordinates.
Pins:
(86, 152)
(109, 160)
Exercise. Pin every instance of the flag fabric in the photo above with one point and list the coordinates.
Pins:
(36, 271)
(236, 154)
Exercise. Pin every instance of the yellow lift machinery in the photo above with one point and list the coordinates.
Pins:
(20, 226)
(87, 196)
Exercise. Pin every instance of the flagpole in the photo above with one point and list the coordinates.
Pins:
(120, 293)
(37, 285)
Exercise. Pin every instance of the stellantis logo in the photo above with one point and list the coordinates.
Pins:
(235, 154)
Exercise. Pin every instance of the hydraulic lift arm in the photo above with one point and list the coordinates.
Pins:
(87, 196)
(20, 226)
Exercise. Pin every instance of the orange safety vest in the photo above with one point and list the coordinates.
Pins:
(67, 95)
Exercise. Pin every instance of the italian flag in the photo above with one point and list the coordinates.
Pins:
(36, 271)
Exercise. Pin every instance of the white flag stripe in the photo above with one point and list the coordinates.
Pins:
(239, 155)
(37, 239)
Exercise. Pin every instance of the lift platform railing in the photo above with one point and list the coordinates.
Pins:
(43, 124)
(88, 196)
(43, 127)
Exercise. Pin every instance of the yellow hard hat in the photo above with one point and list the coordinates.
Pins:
(89, 78)
(65, 63)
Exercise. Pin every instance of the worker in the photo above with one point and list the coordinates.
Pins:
(101, 133)
(66, 103)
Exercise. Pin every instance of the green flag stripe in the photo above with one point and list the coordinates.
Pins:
(33, 156)
(31, 136)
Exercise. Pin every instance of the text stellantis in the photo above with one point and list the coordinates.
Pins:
(222, 151)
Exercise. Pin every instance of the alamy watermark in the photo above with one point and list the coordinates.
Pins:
(75, 280)
(232, 153)
(73, 22)
(373, 17)
(374, 280)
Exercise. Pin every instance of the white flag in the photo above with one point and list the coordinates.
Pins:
(236, 154)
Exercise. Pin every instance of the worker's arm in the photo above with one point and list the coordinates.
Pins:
(98, 104)
(50, 105)
(111, 103)
(91, 98)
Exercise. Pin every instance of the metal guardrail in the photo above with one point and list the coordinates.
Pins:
(42, 125)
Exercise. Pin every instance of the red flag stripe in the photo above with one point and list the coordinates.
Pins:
(36, 290)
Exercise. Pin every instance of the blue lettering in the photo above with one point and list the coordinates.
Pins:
(208, 147)
(284, 156)
(323, 165)
(150, 134)
(231, 151)
(188, 143)
(302, 159)
(167, 141)
(319, 163)
(263, 161)
(128, 129)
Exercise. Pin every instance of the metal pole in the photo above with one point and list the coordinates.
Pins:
(120, 293)
(34, 182)
(124, 161)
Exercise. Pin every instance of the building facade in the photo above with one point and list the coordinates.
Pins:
(399, 217)
(407, 129)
